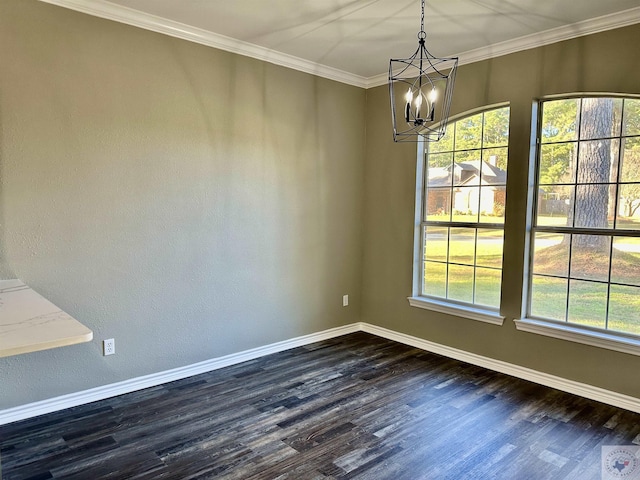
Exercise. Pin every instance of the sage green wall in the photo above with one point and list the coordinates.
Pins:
(192, 203)
(606, 62)
(188, 202)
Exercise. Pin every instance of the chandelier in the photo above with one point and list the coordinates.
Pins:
(420, 89)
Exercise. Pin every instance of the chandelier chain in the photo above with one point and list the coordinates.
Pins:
(421, 34)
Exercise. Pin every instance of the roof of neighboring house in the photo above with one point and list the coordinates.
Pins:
(467, 173)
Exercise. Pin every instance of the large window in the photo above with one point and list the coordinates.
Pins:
(462, 212)
(585, 265)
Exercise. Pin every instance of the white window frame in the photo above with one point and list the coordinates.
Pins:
(597, 337)
(446, 306)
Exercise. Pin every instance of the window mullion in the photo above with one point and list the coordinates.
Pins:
(606, 312)
(575, 168)
(588, 231)
(446, 277)
(566, 311)
(617, 179)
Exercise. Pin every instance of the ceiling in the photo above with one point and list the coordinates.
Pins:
(358, 37)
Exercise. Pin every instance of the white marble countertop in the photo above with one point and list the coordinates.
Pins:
(30, 322)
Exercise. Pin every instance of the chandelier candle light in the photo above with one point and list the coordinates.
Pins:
(420, 89)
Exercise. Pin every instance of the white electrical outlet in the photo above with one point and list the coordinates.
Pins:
(345, 300)
(109, 346)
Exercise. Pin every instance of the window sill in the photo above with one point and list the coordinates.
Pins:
(607, 340)
(471, 313)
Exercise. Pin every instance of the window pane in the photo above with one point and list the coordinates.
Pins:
(631, 161)
(598, 158)
(551, 254)
(492, 204)
(624, 309)
(435, 243)
(616, 128)
(486, 201)
(465, 204)
(469, 132)
(439, 170)
(462, 244)
(629, 207)
(445, 144)
(587, 303)
(628, 215)
(590, 257)
(553, 205)
(548, 297)
(464, 157)
(625, 264)
(489, 248)
(557, 163)
(592, 206)
(488, 283)
(600, 117)
(460, 283)
(438, 206)
(494, 178)
(435, 279)
(631, 117)
(496, 127)
(559, 120)
(467, 173)
(497, 158)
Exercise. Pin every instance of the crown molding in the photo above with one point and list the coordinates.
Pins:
(527, 42)
(136, 18)
(559, 34)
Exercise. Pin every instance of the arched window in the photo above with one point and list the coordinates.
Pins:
(461, 216)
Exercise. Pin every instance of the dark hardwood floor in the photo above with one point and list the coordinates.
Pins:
(356, 407)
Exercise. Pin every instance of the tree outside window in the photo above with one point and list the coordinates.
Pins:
(586, 235)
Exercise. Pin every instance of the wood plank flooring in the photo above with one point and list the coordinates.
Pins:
(354, 407)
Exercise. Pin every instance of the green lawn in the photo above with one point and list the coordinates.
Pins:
(587, 303)
(587, 300)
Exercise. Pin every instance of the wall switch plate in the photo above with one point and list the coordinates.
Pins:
(345, 300)
(109, 346)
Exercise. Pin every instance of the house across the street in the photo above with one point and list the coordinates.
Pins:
(476, 186)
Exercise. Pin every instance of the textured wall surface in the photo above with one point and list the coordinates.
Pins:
(188, 202)
(606, 62)
(192, 203)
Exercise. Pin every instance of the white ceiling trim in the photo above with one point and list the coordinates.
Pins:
(136, 18)
(129, 16)
(559, 34)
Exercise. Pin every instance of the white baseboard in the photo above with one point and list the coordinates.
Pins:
(31, 410)
(582, 389)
